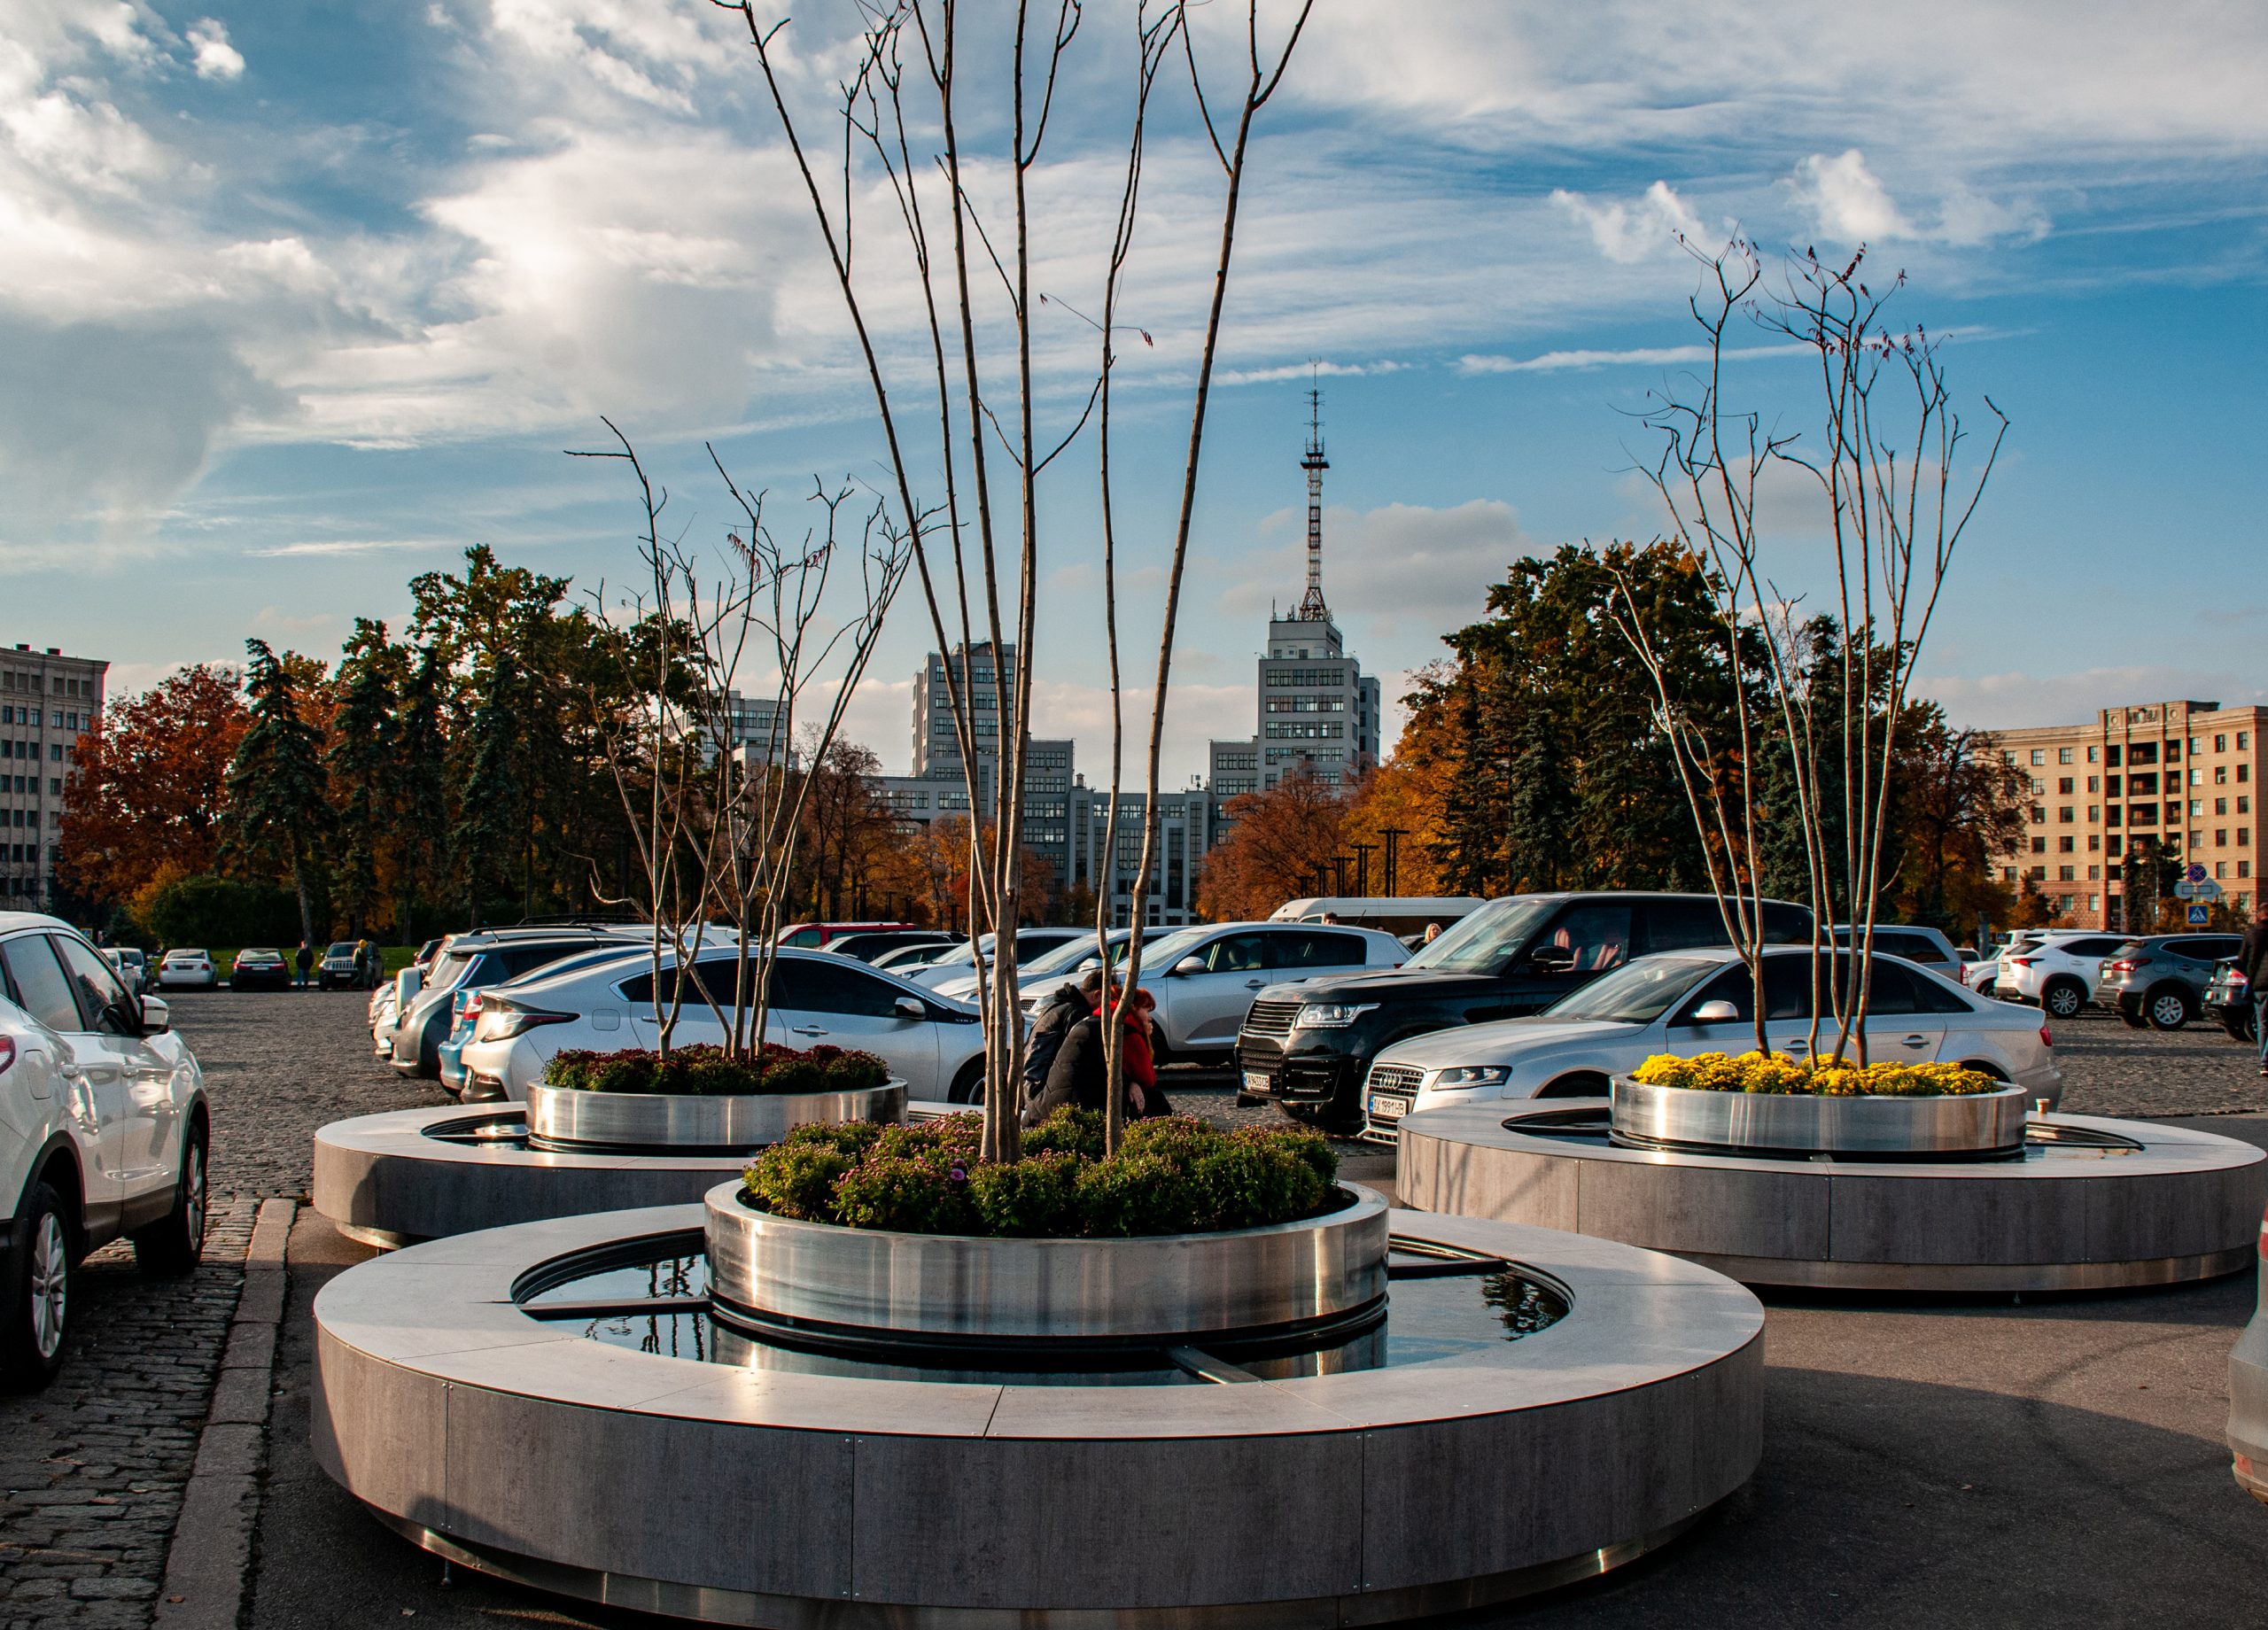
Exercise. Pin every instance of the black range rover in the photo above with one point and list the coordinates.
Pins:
(1308, 1046)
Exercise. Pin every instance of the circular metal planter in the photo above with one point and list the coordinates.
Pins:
(1976, 1126)
(567, 1118)
(1450, 1479)
(821, 1279)
(2092, 1204)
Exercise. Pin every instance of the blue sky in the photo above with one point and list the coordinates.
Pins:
(297, 300)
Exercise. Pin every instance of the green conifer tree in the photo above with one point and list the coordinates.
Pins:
(278, 810)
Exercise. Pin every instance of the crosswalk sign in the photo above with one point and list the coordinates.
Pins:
(2196, 916)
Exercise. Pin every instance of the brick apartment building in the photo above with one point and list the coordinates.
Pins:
(46, 699)
(2179, 777)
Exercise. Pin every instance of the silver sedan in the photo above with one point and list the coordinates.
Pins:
(1695, 1002)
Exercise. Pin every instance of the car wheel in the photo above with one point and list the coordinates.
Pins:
(968, 1086)
(2063, 998)
(169, 1249)
(38, 1312)
(1583, 1083)
(2168, 1009)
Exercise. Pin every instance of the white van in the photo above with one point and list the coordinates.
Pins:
(1401, 915)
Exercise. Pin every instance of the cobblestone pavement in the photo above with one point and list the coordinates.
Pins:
(279, 1064)
(2111, 1070)
(91, 1470)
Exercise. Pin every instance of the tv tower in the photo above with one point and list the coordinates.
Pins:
(1312, 609)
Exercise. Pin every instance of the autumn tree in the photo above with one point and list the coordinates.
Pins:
(1278, 839)
(148, 784)
(1960, 804)
(276, 809)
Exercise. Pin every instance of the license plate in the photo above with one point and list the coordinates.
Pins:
(1389, 1108)
(1257, 1080)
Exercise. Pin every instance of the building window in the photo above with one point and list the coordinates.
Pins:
(2038, 756)
(2243, 836)
(2064, 813)
(2110, 757)
(2063, 755)
(2244, 772)
(2220, 837)
(2095, 873)
(2063, 784)
(2095, 755)
(2094, 903)
(2220, 744)
(2220, 775)
(2039, 787)
(2113, 787)
(2039, 846)
(2196, 807)
(2065, 845)
(2062, 875)
(2244, 868)
(2094, 841)
(2196, 746)
(2116, 845)
(2220, 868)
(2172, 751)
(2243, 805)
(2243, 740)
(2220, 806)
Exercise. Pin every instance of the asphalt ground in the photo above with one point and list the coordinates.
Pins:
(1955, 1462)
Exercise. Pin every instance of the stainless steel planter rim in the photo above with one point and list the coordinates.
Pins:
(825, 1278)
(573, 1118)
(1963, 1126)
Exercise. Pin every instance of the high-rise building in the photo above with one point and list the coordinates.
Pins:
(46, 699)
(987, 677)
(2170, 779)
(1317, 709)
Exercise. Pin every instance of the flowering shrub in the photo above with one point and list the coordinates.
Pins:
(1776, 1072)
(705, 1072)
(1174, 1175)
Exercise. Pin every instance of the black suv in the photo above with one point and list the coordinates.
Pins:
(1308, 1046)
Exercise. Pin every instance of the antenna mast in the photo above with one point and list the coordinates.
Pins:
(1312, 609)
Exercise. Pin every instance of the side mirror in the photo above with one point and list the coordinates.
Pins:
(157, 1016)
(1552, 959)
(1187, 966)
(912, 1007)
(1715, 1013)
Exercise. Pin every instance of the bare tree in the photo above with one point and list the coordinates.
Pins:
(896, 119)
(756, 629)
(1896, 510)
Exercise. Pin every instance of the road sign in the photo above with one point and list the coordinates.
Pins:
(2205, 889)
(2196, 872)
(2196, 916)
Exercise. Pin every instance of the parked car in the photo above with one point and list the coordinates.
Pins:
(2056, 970)
(1399, 915)
(1693, 1002)
(814, 936)
(259, 965)
(1309, 1047)
(465, 1004)
(937, 1046)
(2160, 982)
(1050, 965)
(104, 1132)
(906, 958)
(866, 944)
(188, 970)
(2248, 1427)
(2228, 1002)
(474, 961)
(1917, 943)
(340, 967)
(959, 963)
(132, 967)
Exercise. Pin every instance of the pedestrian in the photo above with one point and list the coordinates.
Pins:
(366, 964)
(1328, 917)
(2252, 962)
(1067, 1006)
(1432, 932)
(1138, 1059)
(306, 959)
(1079, 1074)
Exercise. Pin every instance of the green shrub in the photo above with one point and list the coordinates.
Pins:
(1035, 1198)
(707, 1072)
(1176, 1174)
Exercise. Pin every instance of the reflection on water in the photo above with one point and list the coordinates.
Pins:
(1425, 1320)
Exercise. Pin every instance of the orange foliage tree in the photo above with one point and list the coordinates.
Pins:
(148, 787)
(1278, 838)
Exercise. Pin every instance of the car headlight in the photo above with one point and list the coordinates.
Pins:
(1328, 1015)
(1472, 1076)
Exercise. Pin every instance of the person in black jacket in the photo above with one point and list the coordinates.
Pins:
(2252, 962)
(1050, 1025)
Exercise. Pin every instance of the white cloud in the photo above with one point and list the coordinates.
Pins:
(1630, 232)
(215, 57)
(1406, 571)
(1658, 356)
(349, 545)
(1846, 201)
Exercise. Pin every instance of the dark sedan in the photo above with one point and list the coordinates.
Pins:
(259, 968)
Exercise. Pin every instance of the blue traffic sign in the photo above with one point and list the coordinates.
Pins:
(2196, 916)
(2196, 872)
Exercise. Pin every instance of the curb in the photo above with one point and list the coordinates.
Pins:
(208, 1563)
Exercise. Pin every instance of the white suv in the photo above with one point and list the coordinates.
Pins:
(2055, 970)
(103, 1132)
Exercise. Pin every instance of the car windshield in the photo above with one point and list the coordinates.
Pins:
(1638, 993)
(1070, 953)
(184, 956)
(1486, 942)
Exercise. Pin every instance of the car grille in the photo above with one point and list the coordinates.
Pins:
(1271, 1017)
(1396, 1078)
